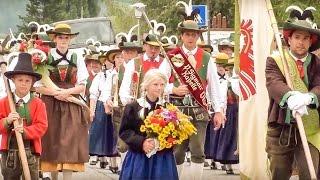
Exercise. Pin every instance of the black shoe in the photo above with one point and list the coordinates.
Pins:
(206, 164)
(40, 174)
(103, 165)
(114, 170)
(213, 166)
(188, 160)
(229, 171)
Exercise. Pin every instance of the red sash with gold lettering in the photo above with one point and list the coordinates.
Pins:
(189, 76)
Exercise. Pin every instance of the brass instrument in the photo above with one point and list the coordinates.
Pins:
(115, 90)
(136, 87)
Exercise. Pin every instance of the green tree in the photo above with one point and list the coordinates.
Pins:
(279, 7)
(121, 14)
(49, 11)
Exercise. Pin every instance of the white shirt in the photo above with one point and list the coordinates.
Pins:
(25, 99)
(82, 72)
(224, 90)
(295, 58)
(213, 87)
(235, 85)
(99, 82)
(106, 91)
(125, 90)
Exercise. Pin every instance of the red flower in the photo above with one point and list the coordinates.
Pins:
(170, 139)
(162, 122)
(154, 120)
(135, 77)
(36, 59)
(23, 47)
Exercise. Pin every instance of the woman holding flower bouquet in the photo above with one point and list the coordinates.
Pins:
(145, 158)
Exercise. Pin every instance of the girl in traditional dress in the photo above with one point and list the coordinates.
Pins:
(65, 145)
(101, 141)
(136, 164)
(110, 97)
(222, 147)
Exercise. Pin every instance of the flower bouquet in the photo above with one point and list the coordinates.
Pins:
(40, 66)
(169, 126)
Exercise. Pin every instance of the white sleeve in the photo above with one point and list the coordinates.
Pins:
(165, 68)
(214, 87)
(124, 91)
(224, 93)
(82, 72)
(94, 88)
(235, 86)
(106, 89)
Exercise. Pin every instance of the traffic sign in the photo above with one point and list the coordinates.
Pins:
(203, 20)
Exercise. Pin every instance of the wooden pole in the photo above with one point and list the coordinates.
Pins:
(22, 151)
(289, 82)
(237, 38)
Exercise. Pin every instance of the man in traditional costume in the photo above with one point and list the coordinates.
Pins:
(198, 73)
(137, 67)
(283, 143)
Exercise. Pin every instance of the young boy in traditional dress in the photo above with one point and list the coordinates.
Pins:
(31, 112)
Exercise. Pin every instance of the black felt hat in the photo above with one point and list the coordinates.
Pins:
(24, 66)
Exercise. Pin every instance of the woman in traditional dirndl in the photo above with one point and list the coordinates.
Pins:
(136, 164)
(223, 142)
(101, 141)
(65, 145)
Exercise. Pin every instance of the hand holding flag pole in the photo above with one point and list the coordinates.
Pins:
(289, 82)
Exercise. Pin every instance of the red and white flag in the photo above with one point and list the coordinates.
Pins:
(255, 41)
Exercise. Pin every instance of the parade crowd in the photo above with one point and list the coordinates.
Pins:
(74, 109)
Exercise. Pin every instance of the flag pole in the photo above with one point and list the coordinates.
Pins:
(21, 149)
(289, 83)
(237, 33)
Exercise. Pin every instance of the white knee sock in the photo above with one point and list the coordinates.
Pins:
(54, 175)
(67, 174)
(123, 155)
(113, 162)
(180, 169)
(197, 170)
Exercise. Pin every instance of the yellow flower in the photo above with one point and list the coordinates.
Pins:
(143, 128)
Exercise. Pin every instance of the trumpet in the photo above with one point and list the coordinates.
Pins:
(115, 90)
(136, 84)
